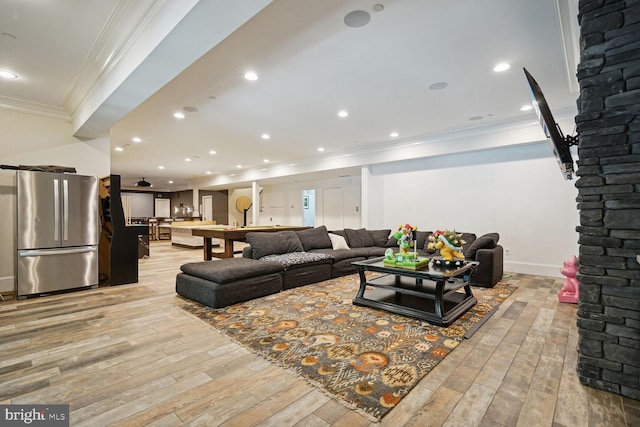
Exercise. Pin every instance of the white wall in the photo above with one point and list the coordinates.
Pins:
(142, 204)
(515, 191)
(29, 139)
(289, 198)
(7, 230)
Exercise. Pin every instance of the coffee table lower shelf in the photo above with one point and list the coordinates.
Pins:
(430, 298)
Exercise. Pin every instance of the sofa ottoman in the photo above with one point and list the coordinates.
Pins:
(229, 281)
(342, 259)
(302, 268)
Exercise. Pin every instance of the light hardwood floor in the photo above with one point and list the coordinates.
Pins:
(129, 355)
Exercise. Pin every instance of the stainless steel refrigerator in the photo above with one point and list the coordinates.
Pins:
(58, 228)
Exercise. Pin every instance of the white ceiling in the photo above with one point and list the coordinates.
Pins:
(310, 65)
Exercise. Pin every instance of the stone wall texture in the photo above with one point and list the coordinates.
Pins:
(608, 124)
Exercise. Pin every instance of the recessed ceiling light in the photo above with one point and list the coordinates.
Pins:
(342, 113)
(160, 167)
(187, 159)
(170, 182)
(238, 166)
(438, 86)
(503, 66)
(190, 109)
(136, 139)
(232, 174)
(8, 74)
(320, 149)
(208, 172)
(357, 18)
(475, 118)
(393, 134)
(212, 152)
(119, 149)
(251, 76)
(378, 7)
(266, 160)
(178, 115)
(526, 107)
(265, 136)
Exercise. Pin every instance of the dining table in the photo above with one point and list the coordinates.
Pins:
(229, 235)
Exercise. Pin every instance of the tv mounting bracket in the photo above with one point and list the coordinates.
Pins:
(571, 140)
(568, 139)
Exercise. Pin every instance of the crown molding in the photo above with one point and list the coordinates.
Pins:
(123, 27)
(567, 11)
(30, 107)
(127, 21)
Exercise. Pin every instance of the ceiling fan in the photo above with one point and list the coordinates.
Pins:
(143, 183)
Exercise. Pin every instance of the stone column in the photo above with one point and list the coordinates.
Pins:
(608, 124)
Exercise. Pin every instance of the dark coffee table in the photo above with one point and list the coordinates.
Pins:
(429, 294)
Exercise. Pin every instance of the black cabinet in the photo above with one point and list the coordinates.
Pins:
(119, 242)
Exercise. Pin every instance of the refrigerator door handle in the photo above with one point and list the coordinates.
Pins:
(45, 252)
(56, 209)
(65, 209)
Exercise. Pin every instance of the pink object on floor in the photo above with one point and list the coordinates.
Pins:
(569, 291)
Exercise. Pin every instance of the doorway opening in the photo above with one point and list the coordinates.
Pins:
(309, 208)
(207, 208)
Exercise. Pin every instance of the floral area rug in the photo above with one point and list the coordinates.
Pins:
(365, 358)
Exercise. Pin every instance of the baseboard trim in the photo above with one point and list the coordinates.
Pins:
(533, 268)
(7, 284)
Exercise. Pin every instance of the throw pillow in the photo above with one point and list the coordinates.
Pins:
(359, 238)
(314, 238)
(380, 237)
(422, 238)
(338, 242)
(487, 241)
(280, 242)
(469, 238)
(339, 233)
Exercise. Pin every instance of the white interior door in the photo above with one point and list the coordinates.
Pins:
(333, 208)
(207, 208)
(276, 214)
(163, 208)
(309, 208)
(126, 207)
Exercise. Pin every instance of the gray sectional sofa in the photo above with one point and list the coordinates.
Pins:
(365, 244)
(302, 257)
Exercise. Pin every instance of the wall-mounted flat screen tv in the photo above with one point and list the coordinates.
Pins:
(558, 142)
